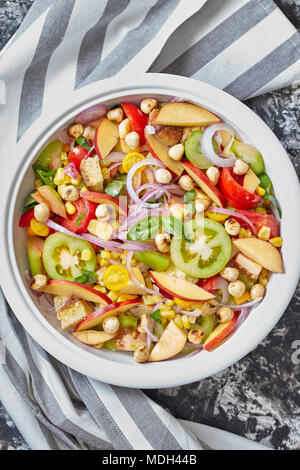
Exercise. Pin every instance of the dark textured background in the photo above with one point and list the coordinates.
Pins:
(259, 396)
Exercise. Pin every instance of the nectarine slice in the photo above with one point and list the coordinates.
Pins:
(185, 114)
(161, 152)
(219, 333)
(171, 342)
(180, 288)
(106, 137)
(71, 288)
(92, 337)
(261, 252)
(53, 199)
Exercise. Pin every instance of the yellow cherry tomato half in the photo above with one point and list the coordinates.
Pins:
(131, 159)
(115, 277)
(39, 228)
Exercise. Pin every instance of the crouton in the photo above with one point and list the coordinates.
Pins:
(92, 174)
(73, 312)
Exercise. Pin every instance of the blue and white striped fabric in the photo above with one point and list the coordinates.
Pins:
(246, 47)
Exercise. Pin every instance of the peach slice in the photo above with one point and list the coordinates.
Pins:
(39, 198)
(131, 288)
(251, 181)
(92, 337)
(102, 198)
(106, 137)
(261, 252)
(204, 183)
(35, 250)
(82, 291)
(180, 288)
(171, 342)
(219, 333)
(185, 114)
(160, 151)
(97, 317)
(53, 199)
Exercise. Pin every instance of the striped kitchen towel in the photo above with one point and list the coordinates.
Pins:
(246, 47)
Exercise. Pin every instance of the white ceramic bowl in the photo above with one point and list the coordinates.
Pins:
(120, 368)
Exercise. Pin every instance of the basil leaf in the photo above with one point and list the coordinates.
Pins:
(83, 142)
(156, 316)
(189, 196)
(79, 219)
(86, 277)
(114, 187)
(46, 175)
(266, 184)
(29, 204)
(145, 229)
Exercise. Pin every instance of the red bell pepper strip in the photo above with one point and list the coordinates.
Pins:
(208, 284)
(237, 196)
(26, 218)
(138, 120)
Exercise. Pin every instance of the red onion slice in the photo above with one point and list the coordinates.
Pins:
(71, 170)
(113, 157)
(129, 182)
(234, 214)
(242, 316)
(222, 284)
(91, 114)
(134, 280)
(207, 145)
(193, 313)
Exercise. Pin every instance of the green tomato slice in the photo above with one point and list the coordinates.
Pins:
(62, 256)
(209, 251)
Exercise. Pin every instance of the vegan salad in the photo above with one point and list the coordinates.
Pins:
(151, 229)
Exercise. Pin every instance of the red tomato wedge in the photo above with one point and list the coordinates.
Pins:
(260, 220)
(208, 284)
(138, 120)
(237, 196)
(26, 218)
(77, 155)
(78, 222)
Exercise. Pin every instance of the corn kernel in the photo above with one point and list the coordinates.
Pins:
(182, 303)
(105, 173)
(39, 228)
(167, 313)
(100, 288)
(243, 233)
(264, 233)
(113, 295)
(151, 299)
(70, 208)
(185, 321)
(63, 157)
(38, 183)
(86, 255)
(178, 321)
(276, 241)
(105, 254)
(261, 210)
(216, 216)
(149, 283)
(104, 262)
(59, 177)
(124, 297)
(260, 191)
(264, 277)
(99, 346)
(115, 255)
(244, 298)
(170, 303)
(83, 188)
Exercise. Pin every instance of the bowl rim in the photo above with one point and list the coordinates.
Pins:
(164, 374)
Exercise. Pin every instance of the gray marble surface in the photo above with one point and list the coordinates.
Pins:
(259, 396)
